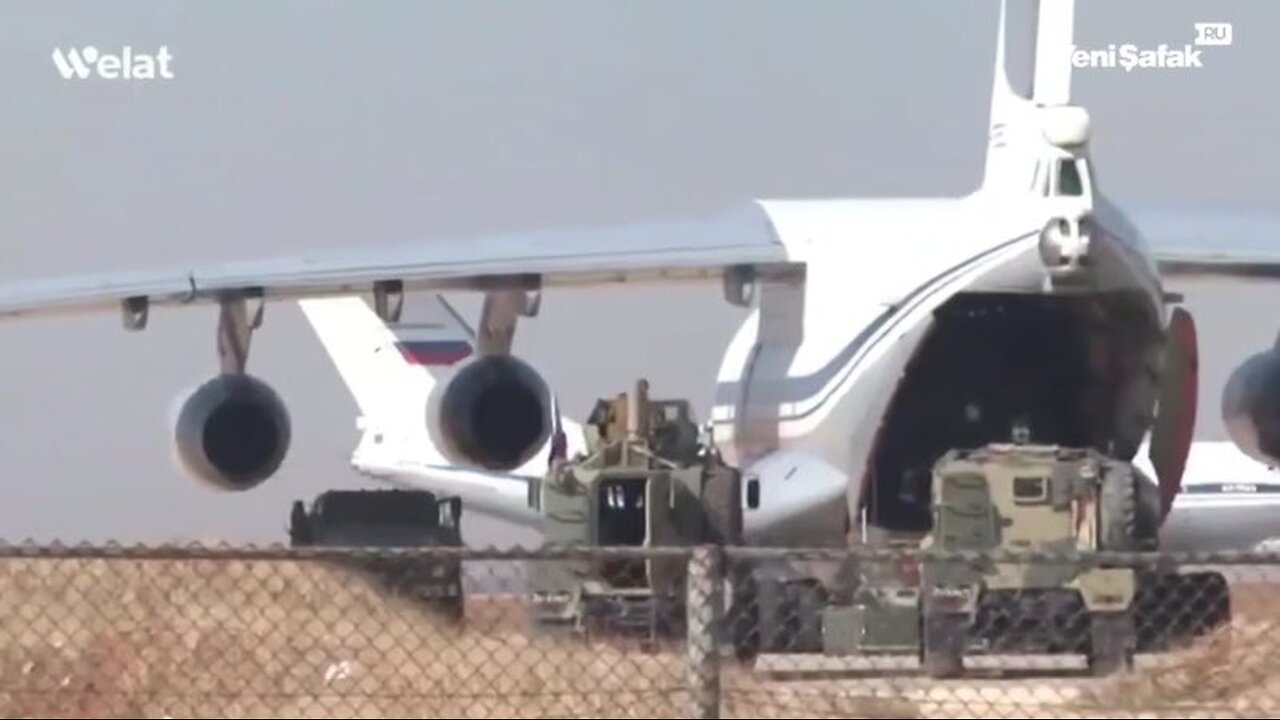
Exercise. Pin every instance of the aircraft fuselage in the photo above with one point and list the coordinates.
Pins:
(922, 325)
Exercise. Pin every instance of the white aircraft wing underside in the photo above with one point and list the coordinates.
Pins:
(1181, 242)
(641, 252)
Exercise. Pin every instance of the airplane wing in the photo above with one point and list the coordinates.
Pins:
(739, 239)
(1212, 243)
(658, 251)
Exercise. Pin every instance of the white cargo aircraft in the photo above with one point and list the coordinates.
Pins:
(1228, 501)
(881, 333)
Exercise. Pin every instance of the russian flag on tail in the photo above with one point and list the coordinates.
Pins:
(434, 352)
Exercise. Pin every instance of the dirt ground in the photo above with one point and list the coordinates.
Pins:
(218, 638)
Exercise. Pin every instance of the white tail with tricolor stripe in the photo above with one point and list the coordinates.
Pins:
(393, 372)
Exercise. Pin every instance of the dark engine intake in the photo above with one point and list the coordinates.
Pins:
(232, 432)
(1251, 407)
(494, 414)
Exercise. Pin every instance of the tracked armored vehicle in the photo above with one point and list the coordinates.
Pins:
(648, 477)
(1041, 499)
(390, 518)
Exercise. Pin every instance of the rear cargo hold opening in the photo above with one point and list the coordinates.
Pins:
(992, 360)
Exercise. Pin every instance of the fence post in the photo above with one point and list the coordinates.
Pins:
(704, 604)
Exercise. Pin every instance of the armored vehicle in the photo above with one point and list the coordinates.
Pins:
(648, 477)
(1046, 499)
(1042, 499)
(390, 518)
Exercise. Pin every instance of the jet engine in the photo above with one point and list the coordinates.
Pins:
(232, 432)
(1251, 407)
(495, 413)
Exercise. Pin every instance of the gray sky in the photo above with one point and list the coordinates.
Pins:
(297, 125)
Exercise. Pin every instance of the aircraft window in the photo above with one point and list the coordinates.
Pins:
(1069, 181)
(753, 493)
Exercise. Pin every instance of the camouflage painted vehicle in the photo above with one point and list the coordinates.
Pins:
(1030, 498)
(390, 518)
(648, 478)
(1044, 499)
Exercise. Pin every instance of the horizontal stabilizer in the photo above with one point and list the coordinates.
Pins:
(1211, 242)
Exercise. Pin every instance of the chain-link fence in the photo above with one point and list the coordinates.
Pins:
(682, 632)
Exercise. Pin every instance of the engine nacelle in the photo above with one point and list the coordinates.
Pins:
(232, 432)
(495, 413)
(1251, 407)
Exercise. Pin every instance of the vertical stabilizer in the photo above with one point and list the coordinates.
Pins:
(1055, 27)
(391, 372)
(1015, 140)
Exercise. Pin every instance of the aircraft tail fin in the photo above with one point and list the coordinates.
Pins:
(392, 372)
(1014, 127)
(1055, 31)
